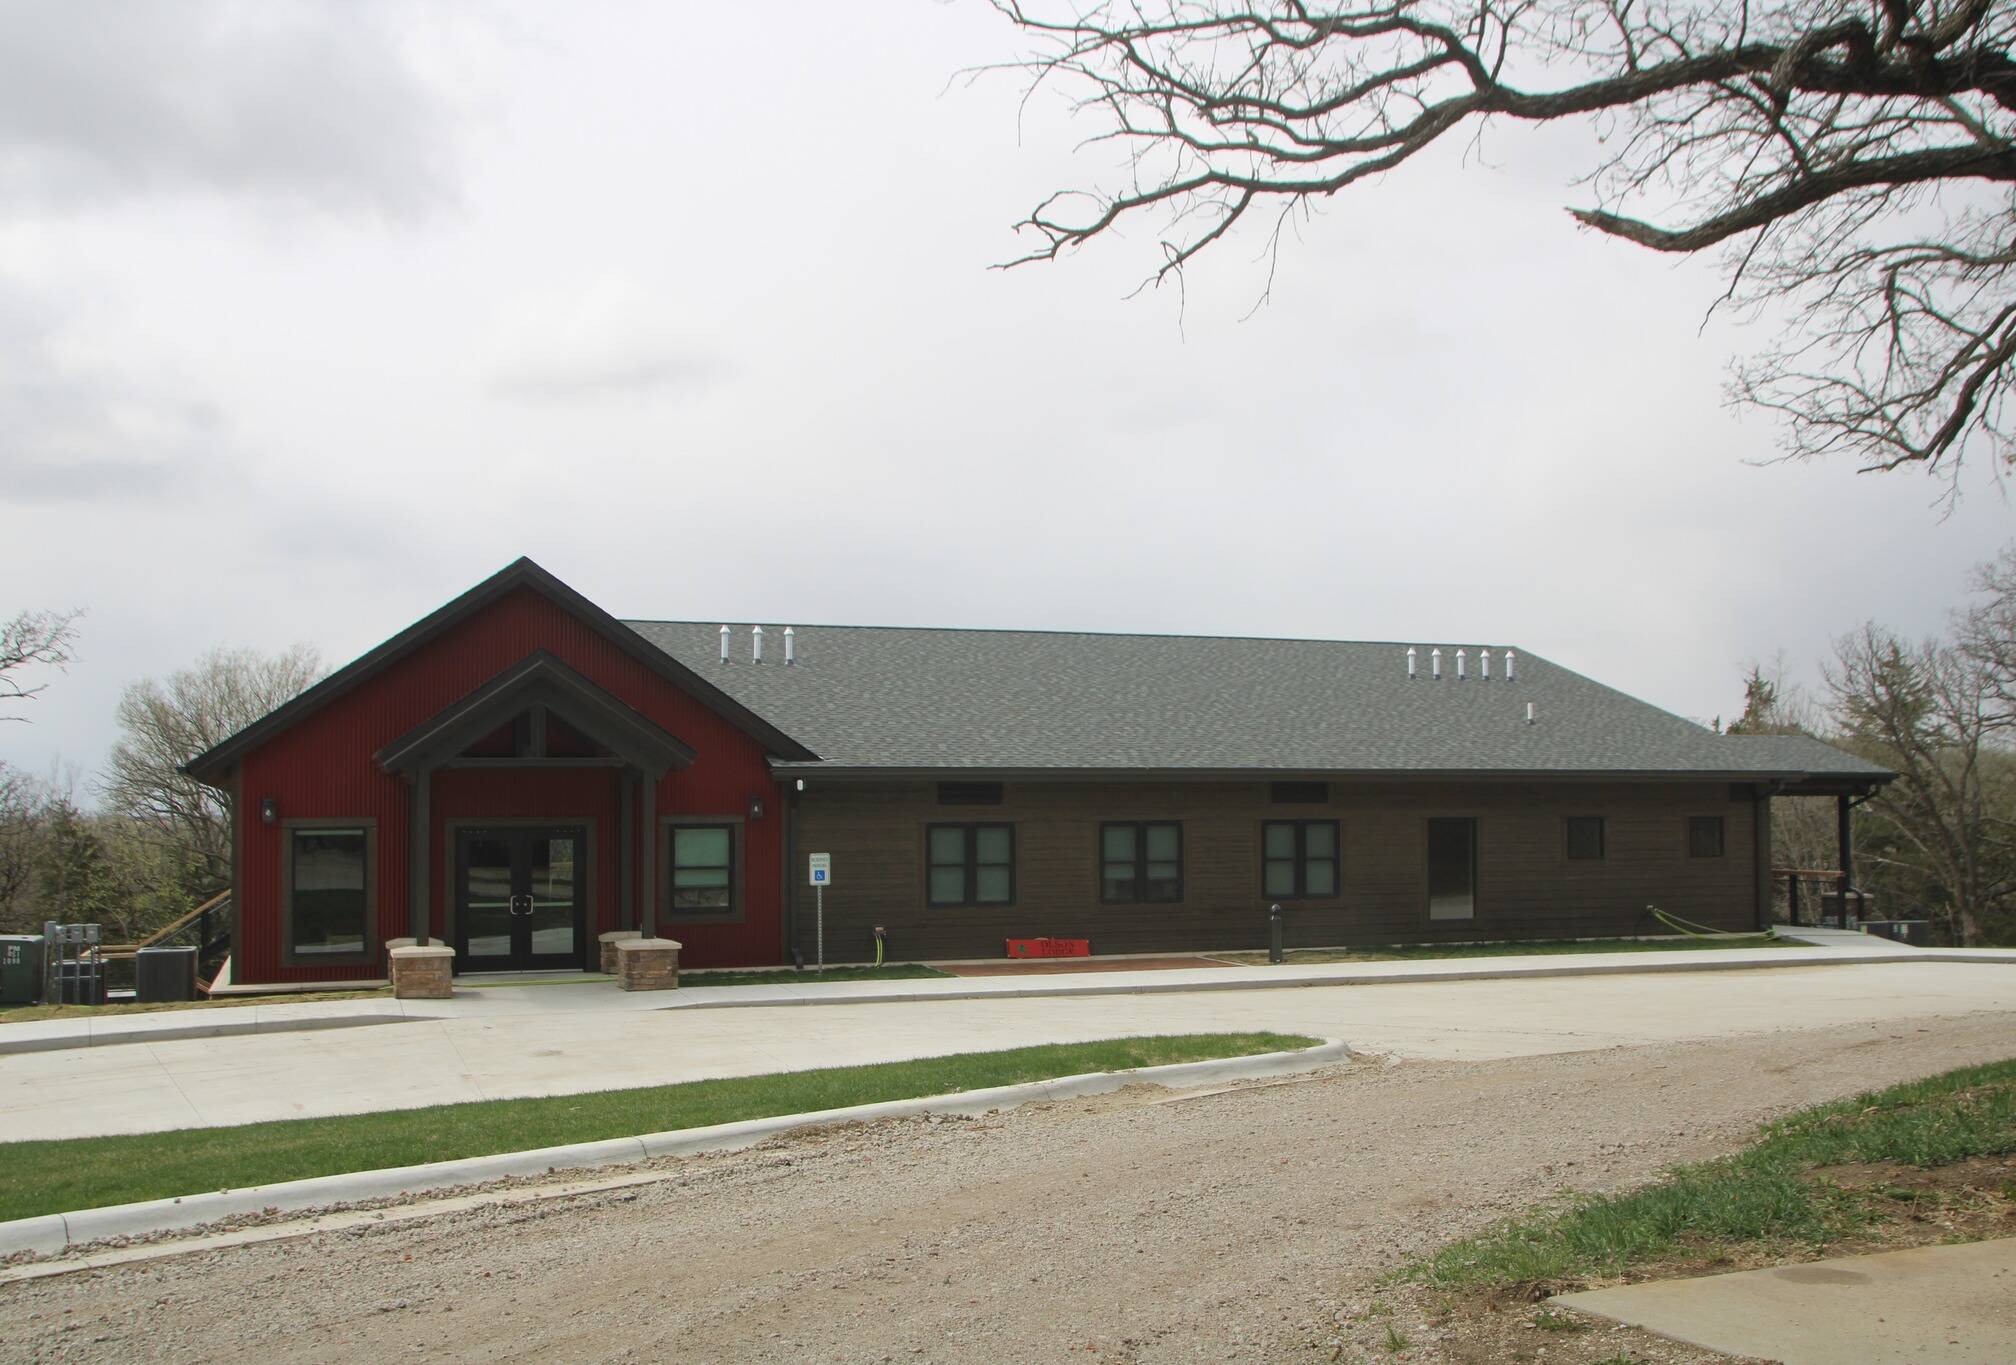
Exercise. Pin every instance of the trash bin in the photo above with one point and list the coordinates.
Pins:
(164, 974)
(1917, 931)
(20, 969)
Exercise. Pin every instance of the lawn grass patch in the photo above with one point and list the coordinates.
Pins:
(80, 1173)
(1777, 1197)
(1408, 952)
(24, 1014)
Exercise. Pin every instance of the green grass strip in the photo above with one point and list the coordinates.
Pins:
(82, 1173)
(1761, 1196)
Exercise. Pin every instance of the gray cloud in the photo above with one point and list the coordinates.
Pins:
(72, 433)
(278, 98)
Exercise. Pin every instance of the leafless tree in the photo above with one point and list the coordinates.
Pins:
(33, 638)
(165, 724)
(1852, 158)
(1928, 712)
(1803, 830)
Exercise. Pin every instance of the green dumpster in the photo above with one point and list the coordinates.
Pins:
(20, 969)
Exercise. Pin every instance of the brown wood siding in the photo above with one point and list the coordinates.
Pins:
(1526, 885)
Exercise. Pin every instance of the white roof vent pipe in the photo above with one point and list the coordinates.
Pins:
(756, 644)
(1435, 662)
(1462, 669)
(1509, 658)
(724, 644)
(1529, 713)
(1484, 664)
(790, 646)
(1410, 661)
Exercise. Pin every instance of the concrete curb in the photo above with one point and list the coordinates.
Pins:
(53, 1233)
(64, 1033)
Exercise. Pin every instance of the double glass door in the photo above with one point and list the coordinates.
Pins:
(520, 897)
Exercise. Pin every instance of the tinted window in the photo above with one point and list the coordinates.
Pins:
(970, 864)
(1141, 862)
(1704, 836)
(703, 867)
(1585, 837)
(327, 899)
(1299, 859)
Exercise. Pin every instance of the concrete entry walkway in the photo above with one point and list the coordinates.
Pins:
(156, 1086)
(1936, 1305)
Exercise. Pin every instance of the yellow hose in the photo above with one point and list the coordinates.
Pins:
(1693, 930)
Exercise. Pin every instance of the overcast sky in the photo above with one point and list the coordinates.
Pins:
(312, 315)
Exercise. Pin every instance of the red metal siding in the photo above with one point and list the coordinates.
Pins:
(322, 767)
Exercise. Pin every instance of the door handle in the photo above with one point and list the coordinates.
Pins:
(521, 905)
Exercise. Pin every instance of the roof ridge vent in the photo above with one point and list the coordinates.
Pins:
(1484, 664)
(725, 633)
(1410, 661)
(755, 644)
(1509, 660)
(790, 646)
(1435, 663)
(1462, 670)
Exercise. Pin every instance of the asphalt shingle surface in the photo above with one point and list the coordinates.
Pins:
(897, 698)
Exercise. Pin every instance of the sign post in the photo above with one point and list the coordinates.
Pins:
(821, 874)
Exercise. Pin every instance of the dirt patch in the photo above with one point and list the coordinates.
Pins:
(1254, 1225)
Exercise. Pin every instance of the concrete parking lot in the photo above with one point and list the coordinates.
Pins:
(155, 1086)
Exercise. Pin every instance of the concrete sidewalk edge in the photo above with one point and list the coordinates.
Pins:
(51, 1234)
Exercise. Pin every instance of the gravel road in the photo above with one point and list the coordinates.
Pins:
(1133, 1227)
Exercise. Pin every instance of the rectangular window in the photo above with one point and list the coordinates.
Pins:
(703, 868)
(1585, 838)
(1299, 859)
(328, 891)
(969, 793)
(1704, 836)
(1298, 793)
(1141, 863)
(970, 864)
(1452, 868)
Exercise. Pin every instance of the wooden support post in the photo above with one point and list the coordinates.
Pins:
(626, 845)
(647, 866)
(1845, 836)
(419, 844)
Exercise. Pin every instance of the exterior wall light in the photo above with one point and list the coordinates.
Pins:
(755, 808)
(269, 810)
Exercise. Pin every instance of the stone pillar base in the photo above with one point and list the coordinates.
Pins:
(647, 964)
(422, 973)
(609, 942)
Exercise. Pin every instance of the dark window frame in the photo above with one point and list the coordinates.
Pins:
(970, 864)
(1602, 853)
(1302, 892)
(1140, 895)
(668, 869)
(1698, 823)
(368, 952)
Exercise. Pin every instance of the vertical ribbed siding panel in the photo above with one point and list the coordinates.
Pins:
(322, 768)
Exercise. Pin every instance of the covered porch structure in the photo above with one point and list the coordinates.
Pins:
(534, 796)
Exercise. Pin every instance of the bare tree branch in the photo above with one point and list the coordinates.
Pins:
(1825, 143)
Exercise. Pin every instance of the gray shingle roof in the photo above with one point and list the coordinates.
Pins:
(902, 698)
